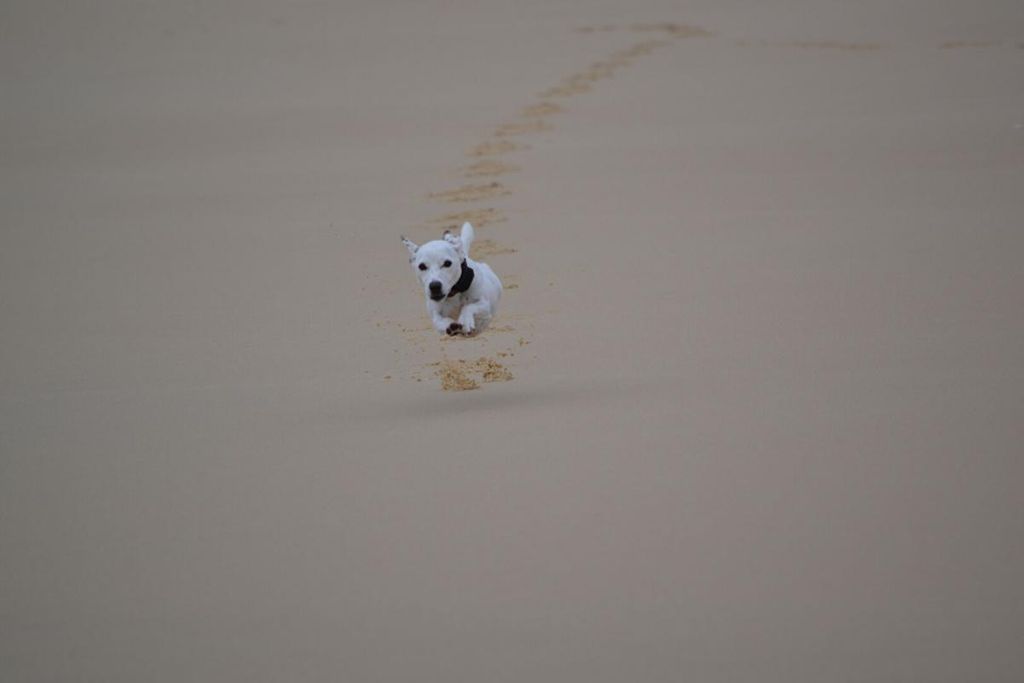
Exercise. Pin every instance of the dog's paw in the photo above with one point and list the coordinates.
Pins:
(453, 329)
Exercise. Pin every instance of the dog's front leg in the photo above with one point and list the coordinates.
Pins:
(475, 315)
(442, 323)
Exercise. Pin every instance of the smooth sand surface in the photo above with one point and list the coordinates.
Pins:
(764, 319)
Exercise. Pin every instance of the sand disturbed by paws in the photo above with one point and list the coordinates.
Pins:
(484, 248)
(488, 167)
(469, 193)
(463, 375)
(478, 217)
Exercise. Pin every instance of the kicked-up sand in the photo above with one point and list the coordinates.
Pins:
(751, 409)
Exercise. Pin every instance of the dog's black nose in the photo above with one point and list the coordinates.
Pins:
(435, 287)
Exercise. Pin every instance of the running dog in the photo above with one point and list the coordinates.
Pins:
(462, 294)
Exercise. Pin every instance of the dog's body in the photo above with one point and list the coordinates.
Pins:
(462, 294)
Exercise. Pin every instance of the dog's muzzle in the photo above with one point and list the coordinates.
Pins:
(435, 291)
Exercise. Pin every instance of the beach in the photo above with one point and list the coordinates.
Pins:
(751, 407)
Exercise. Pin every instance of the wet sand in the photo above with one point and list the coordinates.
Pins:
(751, 409)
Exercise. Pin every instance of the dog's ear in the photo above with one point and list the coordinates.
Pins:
(455, 242)
(411, 246)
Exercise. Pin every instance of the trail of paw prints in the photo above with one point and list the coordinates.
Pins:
(491, 148)
(969, 44)
(458, 374)
(488, 247)
(534, 118)
(584, 81)
(534, 125)
(488, 168)
(835, 45)
(540, 109)
(472, 193)
(842, 46)
(478, 217)
(466, 375)
(490, 355)
(487, 161)
(668, 28)
(497, 344)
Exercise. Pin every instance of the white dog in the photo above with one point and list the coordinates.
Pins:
(462, 294)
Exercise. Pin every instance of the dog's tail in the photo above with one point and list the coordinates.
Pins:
(467, 236)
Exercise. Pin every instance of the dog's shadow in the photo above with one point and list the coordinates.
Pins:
(507, 398)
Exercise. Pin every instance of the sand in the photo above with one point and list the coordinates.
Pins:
(761, 344)
(471, 193)
(488, 168)
(478, 217)
(463, 375)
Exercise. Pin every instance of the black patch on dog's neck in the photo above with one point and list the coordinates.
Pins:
(465, 280)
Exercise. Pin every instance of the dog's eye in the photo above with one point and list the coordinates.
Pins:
(423, 266)
(446, 264)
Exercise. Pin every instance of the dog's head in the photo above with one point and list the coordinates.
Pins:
(438, 264)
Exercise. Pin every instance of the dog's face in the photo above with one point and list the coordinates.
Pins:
(438, 265)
